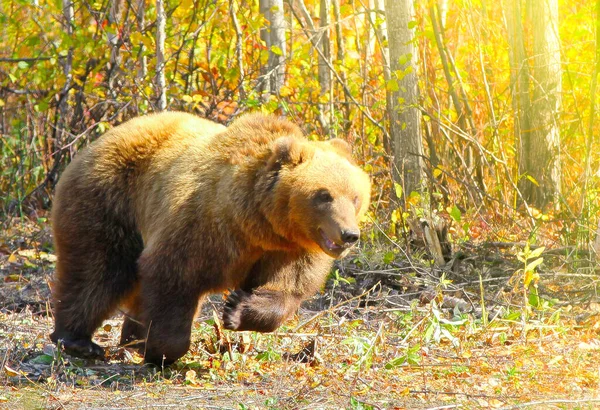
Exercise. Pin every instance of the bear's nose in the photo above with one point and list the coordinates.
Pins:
(350, 236)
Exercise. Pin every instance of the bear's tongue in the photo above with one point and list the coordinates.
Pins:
(328, 242)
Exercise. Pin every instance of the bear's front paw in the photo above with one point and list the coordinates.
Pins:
(259, 310)
(80, 347)
(233, 310)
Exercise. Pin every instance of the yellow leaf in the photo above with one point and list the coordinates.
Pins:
(13, 258)
(137, 358)
(10, 372)
(285, 91)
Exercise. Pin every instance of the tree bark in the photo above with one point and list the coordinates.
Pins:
(161, 89)
(404, 112)
(142, 67)
(277, 51)
(543, 152)
(239, 39)
(519, 80)
(324, 58)
(264, 83)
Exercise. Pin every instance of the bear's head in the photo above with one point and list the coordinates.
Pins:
(320, 195)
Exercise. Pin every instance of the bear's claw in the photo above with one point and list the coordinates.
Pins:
(232, 312)
(82, 348)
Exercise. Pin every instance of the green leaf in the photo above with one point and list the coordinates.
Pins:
(455, 213)
(397, 362)
(22, 65)
(404, 58)
(532, 265)
(398, 189)
(276, 50)
(412, 24)
(534, 298)
(42, 359)
(392, 85)
(536, 252)
(388, 257)
(532, 179)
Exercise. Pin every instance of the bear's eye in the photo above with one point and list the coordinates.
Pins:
(323, 196)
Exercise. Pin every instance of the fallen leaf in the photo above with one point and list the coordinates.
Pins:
(13, 258)
(10, 372)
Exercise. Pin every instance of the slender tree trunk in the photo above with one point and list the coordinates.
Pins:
(264, 83)
(238, 48)
(142, 69)
(63, 105)
(277, 51)
(114, 42)
(404, 112)
(544, 149)
(340, 55)
(387, 72)
(324, 59)
(161, 88)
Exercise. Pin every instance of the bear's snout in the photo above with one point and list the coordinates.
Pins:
(350, 236)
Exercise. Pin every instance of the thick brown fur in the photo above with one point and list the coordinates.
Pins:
(169, 207)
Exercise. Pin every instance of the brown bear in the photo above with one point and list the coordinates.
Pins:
(166, 208)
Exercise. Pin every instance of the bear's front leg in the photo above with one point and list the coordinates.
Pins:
(260, 310)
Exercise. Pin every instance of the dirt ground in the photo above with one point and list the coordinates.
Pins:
(379, 336)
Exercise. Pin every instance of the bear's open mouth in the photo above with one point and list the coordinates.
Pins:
(330, 247)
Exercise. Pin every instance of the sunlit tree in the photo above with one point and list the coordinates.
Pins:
(404, 112)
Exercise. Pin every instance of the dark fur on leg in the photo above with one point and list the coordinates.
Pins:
(260, 310)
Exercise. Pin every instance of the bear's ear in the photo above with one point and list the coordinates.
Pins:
(341, 147)
(290, 151)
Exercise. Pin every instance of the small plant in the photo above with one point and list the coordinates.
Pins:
(528, 277)
(411, 357)
(441, 328)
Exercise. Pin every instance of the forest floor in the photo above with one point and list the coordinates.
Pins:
(395, 335)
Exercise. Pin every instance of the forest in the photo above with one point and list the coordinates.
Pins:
(474, 281)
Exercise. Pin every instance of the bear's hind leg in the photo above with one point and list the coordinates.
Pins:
(94, 272)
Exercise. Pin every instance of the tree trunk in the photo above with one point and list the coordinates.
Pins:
(543, 152)
(239, 39)
(63, 104)
(387, 71)
(161, 89)
(142, 68)
(277, 51)
(519, 80)
(404, 113)
(325, 110)
(264, 83)
(114, 42)
(340, 55)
